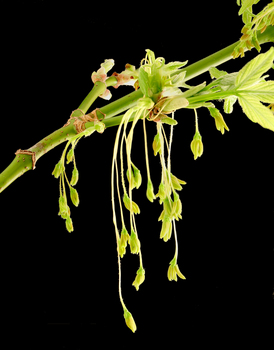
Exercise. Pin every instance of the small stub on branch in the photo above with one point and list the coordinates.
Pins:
(79, 122)
(29, 153)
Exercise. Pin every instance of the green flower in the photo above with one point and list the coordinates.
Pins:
(64, 210)
(161, 192)
(166, 228)
(196, 145)
(69, 224)
(139, 279)
(70, 155)
(156, 145)
(219, 120)
(173, 271)
(125, 238)
(135, 207)
(74, 196)
(74, 177)
(59, 168)
(134, 243)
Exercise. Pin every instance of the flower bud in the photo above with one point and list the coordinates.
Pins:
(134, 243)
(176, 182)
(161, 192)
(129, 320)
(166, 228)
(69, 225)
(156, 145)
(131, 180)
(64, 210)
(177, 206)
(173, 271)
(196, 145)
(137, 176)
(70, 155)
(139, 279)
(150, 194)
(125, 238)
(74, 196)
(59, 168)
(135, 207)
(219, 120)
(75, 176)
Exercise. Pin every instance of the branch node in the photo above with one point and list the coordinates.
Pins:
(30, 153)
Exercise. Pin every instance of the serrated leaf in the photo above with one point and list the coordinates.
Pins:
(264, 91)
(252, 71)
(256, 111)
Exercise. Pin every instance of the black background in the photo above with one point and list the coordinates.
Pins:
(60, 289)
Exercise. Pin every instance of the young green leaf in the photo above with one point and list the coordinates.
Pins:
(256, 111)
(253, 70)
(263, 91)
(216, 73)
(228, 104)
(246, 4)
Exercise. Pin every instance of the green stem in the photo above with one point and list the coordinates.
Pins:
(23, 162)
(223, 55)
